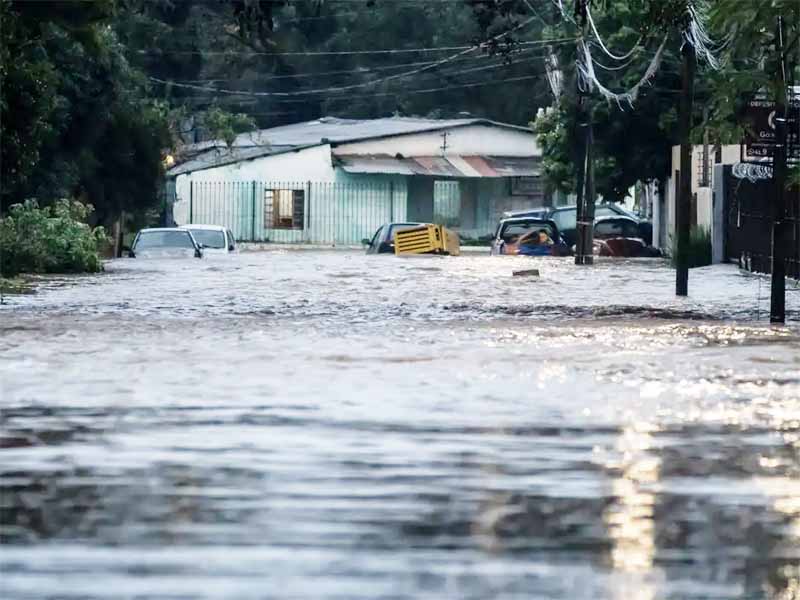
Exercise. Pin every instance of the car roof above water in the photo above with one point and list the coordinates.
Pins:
(160, 229)
(527, 220)
(201, 226)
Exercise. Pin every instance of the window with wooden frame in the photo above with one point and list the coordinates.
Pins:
(284, 209)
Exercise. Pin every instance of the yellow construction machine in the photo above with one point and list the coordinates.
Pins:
(427, 239)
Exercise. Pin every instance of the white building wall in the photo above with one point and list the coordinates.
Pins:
(470, 140)
(705, 209)
(311, 164)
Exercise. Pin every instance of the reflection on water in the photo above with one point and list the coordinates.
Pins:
(329, 425)
(631, 520)
(631, 527)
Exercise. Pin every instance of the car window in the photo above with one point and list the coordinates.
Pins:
(164, 239)
(565, 219)
(616, 228)
(512, 232)
(210, 238)
(376, 238)
(231, 239)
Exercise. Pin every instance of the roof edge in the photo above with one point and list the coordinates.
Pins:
(471, 123)
(232, 160)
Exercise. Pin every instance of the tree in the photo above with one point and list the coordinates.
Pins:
(92, 131)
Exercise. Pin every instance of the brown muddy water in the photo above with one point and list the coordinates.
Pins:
(328, 425)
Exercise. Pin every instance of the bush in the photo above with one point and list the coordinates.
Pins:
(699, 250)
(53, 239)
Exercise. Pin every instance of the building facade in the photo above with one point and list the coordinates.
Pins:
(336, 180)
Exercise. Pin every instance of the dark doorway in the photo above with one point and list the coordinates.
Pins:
(420, 199)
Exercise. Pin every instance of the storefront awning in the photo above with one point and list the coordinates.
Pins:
(442, 166)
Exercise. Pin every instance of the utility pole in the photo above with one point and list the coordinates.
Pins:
(683, 201)
(584, 179)
(777, 305)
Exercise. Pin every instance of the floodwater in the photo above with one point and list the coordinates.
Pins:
(329, 425)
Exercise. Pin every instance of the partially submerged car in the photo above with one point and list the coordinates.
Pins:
(566, 217)
(165, 242)
(215, 239)
(382, 241)
(529, 236)
(619, 236)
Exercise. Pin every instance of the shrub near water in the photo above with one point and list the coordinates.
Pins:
(53, 239)
(699, 248)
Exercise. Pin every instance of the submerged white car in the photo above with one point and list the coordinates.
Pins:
(165, 242)
(215, 239)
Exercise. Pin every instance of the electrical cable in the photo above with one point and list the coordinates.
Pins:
(625, 56)
(333, 89)
(346, 52)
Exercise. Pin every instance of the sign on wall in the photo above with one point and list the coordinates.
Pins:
(760, 131)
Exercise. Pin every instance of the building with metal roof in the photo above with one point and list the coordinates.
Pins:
(466, 172)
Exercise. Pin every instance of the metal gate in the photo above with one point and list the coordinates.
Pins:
(748, 224)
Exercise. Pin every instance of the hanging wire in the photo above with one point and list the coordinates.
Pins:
(696, 35)
(624, 65)
(554, 75)
(608, 52)
(587, 72)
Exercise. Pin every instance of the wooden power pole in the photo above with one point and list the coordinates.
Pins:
(585, 169)
(683, 200)
(777, 305)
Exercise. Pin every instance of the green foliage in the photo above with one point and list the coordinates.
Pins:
(260, 46)
(698, 249)
(223, 125)
(54, 239)
(793, 178)
(550, 127)
(749, 60)
(77, 120)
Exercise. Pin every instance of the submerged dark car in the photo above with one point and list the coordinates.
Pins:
(619, 236)
(165, 243)
(565, 217)
(529, 236)
(382, 241)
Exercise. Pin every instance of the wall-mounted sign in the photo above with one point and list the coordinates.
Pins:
(759, 122)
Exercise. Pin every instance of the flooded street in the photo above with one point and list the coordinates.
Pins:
(328, 425)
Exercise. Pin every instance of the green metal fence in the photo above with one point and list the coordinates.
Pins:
(292, 212)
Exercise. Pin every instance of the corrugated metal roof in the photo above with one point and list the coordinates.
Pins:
(313, 133)
(443, 166)
(345, 130)
(216, 157)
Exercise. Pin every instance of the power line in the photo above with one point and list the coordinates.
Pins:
(354, 71)
(342, 52)
(341, 88)
(474, 84)
(520, 56)
(333, 89)
(447, 87)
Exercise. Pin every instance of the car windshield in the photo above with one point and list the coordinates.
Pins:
(512, 232)
(565, 219)
(210, 238)
(164, 239)
(616, 228)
